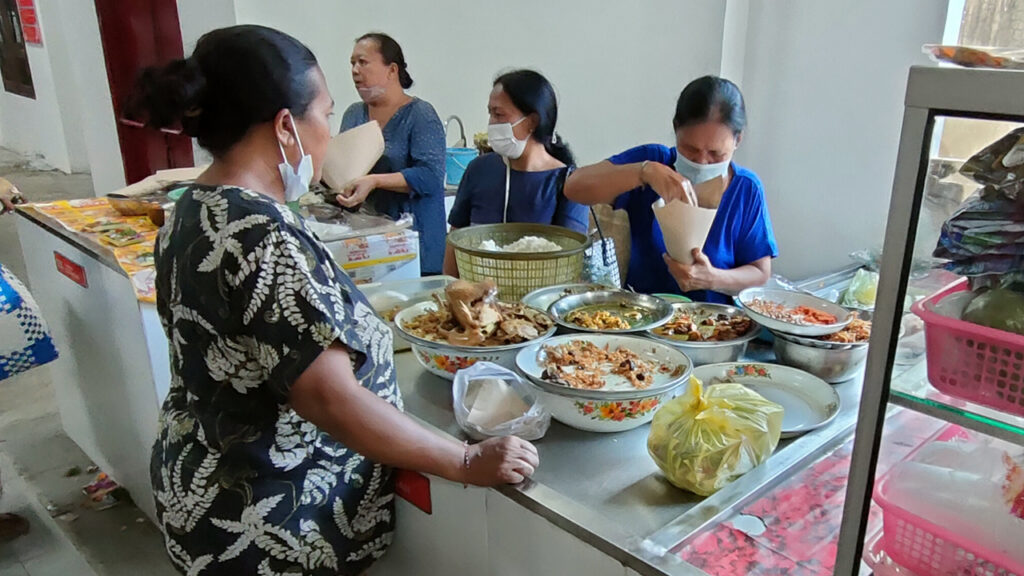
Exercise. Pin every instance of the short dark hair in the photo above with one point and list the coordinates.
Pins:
(711, 98)
(392, 53)
(236, 78)
(531, 93)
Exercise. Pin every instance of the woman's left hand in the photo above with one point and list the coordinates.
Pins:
(356, 192)
(701, 275)
(9, 196)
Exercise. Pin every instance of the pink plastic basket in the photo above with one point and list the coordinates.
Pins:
(968, 361)
(926, 548)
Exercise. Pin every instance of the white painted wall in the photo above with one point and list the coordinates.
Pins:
(824, 88)
(618, 66)
(33, 126)
(92, 91)
(61, 47)
(196, 18)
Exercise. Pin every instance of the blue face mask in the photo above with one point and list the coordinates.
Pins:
(699, 173)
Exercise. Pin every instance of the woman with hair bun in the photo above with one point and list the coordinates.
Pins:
(409, 177)
(283, 420)
(522, 180)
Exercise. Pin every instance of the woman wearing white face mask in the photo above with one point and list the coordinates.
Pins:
(409, 177)
(709, 121)
(522, 180)
(283, 419)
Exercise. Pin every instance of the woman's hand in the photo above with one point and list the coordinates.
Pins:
(356, 192)
(495, 461)
(668, 183)
(700, 275)
(9, 195)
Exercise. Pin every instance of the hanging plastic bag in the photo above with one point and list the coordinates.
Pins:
(705, 439)
(600, 263)
(489, 400)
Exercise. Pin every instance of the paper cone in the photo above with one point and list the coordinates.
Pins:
(709, 194)
(684, 227)
(352, 154)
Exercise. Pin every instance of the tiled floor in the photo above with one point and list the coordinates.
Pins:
(44, 551)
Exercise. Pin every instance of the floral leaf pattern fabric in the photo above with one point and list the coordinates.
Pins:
(244, 485)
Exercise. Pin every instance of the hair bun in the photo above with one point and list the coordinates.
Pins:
(169, 95)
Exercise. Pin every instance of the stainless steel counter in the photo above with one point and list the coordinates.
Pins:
(94, 249)
(605, 488)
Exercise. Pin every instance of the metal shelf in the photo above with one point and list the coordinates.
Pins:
(913, 391)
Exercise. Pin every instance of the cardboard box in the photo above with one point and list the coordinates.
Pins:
(379, 257)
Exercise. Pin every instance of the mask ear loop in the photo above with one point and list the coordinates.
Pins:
(295, 132)
(508, 176)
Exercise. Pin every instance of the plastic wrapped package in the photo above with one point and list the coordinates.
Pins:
(489, 400)
(707, 438)
(976, 56)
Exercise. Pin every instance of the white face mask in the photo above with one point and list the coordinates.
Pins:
(370, 93)
(698, 173)
(296, 180)
(503, 141)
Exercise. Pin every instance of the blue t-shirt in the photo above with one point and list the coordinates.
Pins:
(740, 234)
(534, 197)
(413, 145)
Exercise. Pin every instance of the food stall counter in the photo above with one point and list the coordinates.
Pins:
(604, 490)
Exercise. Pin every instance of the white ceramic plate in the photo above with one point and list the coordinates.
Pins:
(529, 360)
(809, 402)
(791, 299)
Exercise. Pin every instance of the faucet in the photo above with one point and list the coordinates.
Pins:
(461, 142)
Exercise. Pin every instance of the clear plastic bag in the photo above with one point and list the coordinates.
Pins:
(489, 400)
(862, 290)
(705, 439)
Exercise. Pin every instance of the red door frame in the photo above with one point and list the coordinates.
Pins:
(136, 34)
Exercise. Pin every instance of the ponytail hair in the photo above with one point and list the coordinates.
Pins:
(531, 93)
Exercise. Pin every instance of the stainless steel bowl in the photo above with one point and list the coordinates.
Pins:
(656, 308)
(832, 365)
(701, 353)
(543, 298)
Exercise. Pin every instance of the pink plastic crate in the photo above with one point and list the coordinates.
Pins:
(968, 361)
(929, 549)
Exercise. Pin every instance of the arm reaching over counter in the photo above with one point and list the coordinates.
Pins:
(740, 245)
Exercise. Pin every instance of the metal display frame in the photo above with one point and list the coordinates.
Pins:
(932, 93)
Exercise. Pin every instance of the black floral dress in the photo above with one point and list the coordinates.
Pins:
(243, 485)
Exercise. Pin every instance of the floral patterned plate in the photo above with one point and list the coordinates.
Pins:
(809, 402)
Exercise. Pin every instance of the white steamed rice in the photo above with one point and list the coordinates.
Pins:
(524, 244)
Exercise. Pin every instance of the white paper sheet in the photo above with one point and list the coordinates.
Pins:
(492, 402)
(352, 154)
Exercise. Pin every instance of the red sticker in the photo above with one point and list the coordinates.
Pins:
(414, 488)
(70, 269)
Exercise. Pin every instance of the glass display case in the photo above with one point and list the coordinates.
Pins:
(934, 463)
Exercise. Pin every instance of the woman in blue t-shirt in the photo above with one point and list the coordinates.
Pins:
(709, 121)
(522, 180)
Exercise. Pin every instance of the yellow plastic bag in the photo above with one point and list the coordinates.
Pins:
(704, 440)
